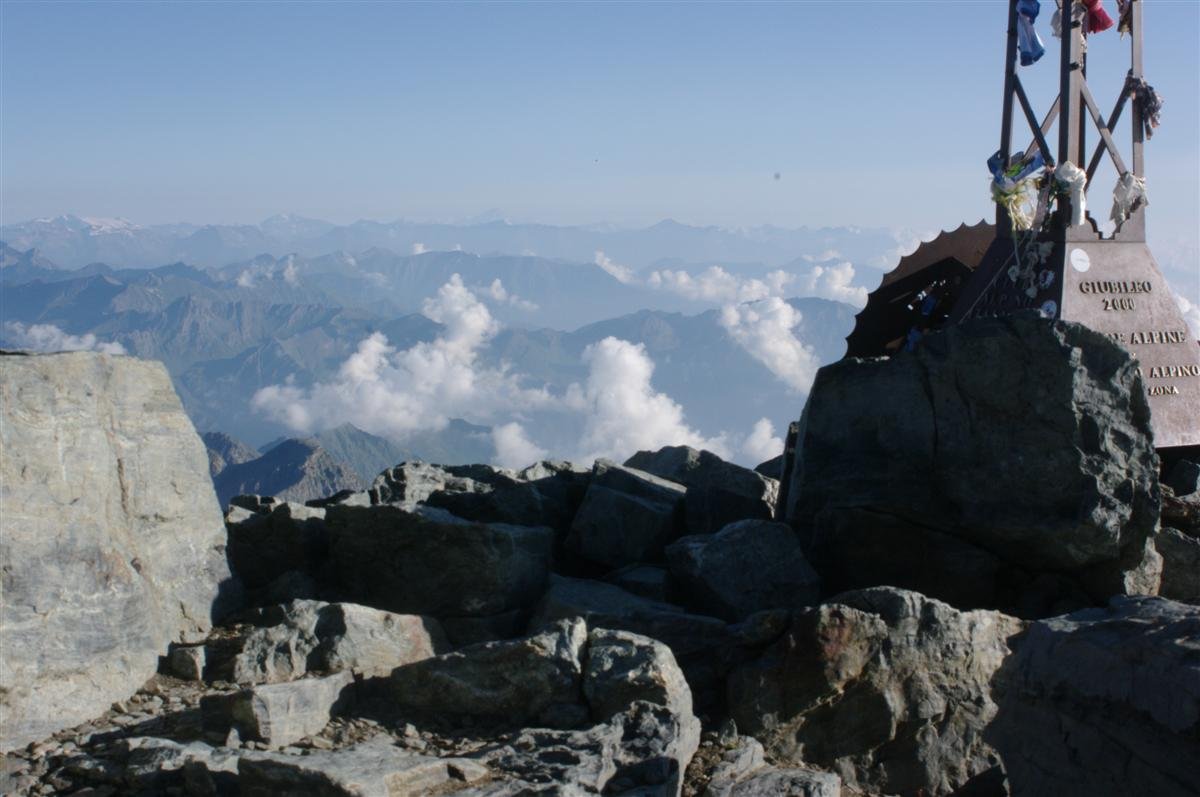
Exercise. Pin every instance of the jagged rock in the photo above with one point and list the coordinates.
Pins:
(270, 540)
(747, 566)
(1181, 565)
(623, 668)
(536, 679)
(1026, 438)
(187, 662)
(282, 713)
(1184, 477)
(546, 494)
(1181, 512)
(1104, 702)
(153, 764)
(772, 468)
(699, 644)
(627, 516)
(311, 636)
(375, 768)
(718, 492)
(431, 563)
(294, 470)
(888, 688)
(642, 751)
(646, 581)
(743, 772)
(411, 483)
(111, 540)
(224, 451)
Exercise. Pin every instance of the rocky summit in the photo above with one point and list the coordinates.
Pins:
(978, 579)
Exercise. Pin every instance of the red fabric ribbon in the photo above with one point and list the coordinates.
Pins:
(1097, 18)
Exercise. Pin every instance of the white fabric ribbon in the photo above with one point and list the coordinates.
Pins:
(1128, 196)
(1072, 180)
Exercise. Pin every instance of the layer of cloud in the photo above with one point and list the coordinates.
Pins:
(833, 282)
(623, 413)
(48, 338)
(397, 393)
(715, 284)
(765, 330)
(762, 444)
(419, 248)
(514, 449)
(620, 273)
(499, 294)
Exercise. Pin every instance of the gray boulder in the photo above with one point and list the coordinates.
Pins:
(1104, 702)
(279, 714)
(1181, 565)
(1184, 477)
(748, 566)
(889, 689)
(627, 516)
(743, 772)
(699, 644)
(546, 494)
(623, 668)
(718, 492)
(429, 562)
(111, 540)
(270, 540)
(641, 752)
(374, 768)
(646, 581)
(411, 483)
(311, 636)
(536, 679)
(1025, 438)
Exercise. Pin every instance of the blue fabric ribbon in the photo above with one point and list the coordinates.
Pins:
(1028, 42)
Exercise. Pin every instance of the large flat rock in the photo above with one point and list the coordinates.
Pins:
(111, 539)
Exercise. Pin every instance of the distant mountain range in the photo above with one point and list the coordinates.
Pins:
(73, 241)
(226, 332)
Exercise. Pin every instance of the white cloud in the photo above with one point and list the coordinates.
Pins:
(833, 282)
(715, 284)
(48, 337)
(396, 393)
(289, 271)
(616, 270)
(514, 449)
(764, 330)
(907, 242)
(762, 444)
(1191, 314)
(500, 294)
(623, 413)
(419, 248)
(245, 279)
(823, 257)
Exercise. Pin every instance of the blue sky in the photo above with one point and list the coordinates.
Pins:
(873, 113)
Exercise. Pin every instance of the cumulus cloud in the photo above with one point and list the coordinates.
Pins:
(498, 293)
(419, 248)
(823, 257)
(715, 284)
(289, 271)
(622, 411)
(396, 393)
(762, 444)
(1191, 314)
(616, 270)
(765, 330)
(833, 282)
(514, 449)
(48, 337)
(907, 242)
(245, 279)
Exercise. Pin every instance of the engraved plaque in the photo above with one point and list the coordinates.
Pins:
(1115, 287)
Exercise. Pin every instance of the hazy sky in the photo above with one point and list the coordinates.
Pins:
(873, 113)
